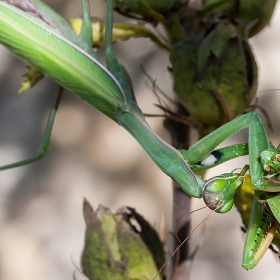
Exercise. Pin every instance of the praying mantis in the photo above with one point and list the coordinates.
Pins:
(70, 61)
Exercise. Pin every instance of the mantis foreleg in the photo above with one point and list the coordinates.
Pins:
(218, 156)
(203, 148)
(261, 230)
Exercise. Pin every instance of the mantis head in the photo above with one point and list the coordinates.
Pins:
(270, 160)
(218, 192)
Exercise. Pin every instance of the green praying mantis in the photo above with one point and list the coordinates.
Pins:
(48, 43)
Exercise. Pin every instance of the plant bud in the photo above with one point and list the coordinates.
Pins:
(31, 78)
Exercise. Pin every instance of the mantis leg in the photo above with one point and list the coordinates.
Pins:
(113, 65)
(263, 222)
(261, 230)
(85, 36)
(220, 190)
(168, 159)
(259, 147)
(259, 222)
(43, 148)
(202, 149)
(218, 156)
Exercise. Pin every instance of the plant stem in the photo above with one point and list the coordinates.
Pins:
(180, 134)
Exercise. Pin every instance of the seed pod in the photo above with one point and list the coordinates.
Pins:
(113, 250)
(245, 11)
(215, 77)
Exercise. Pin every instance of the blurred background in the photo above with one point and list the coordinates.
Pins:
(42, 226)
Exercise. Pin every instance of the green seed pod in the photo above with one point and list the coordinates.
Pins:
(148, 9)
(244, 11)
(113, 250)
(215, 77)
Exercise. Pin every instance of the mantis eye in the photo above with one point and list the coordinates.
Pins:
(266, 168)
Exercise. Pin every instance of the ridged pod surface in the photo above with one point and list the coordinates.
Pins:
(215, 75)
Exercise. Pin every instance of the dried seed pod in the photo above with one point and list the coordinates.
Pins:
(113, 249)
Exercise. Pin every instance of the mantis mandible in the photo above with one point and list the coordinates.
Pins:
(69, 60)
